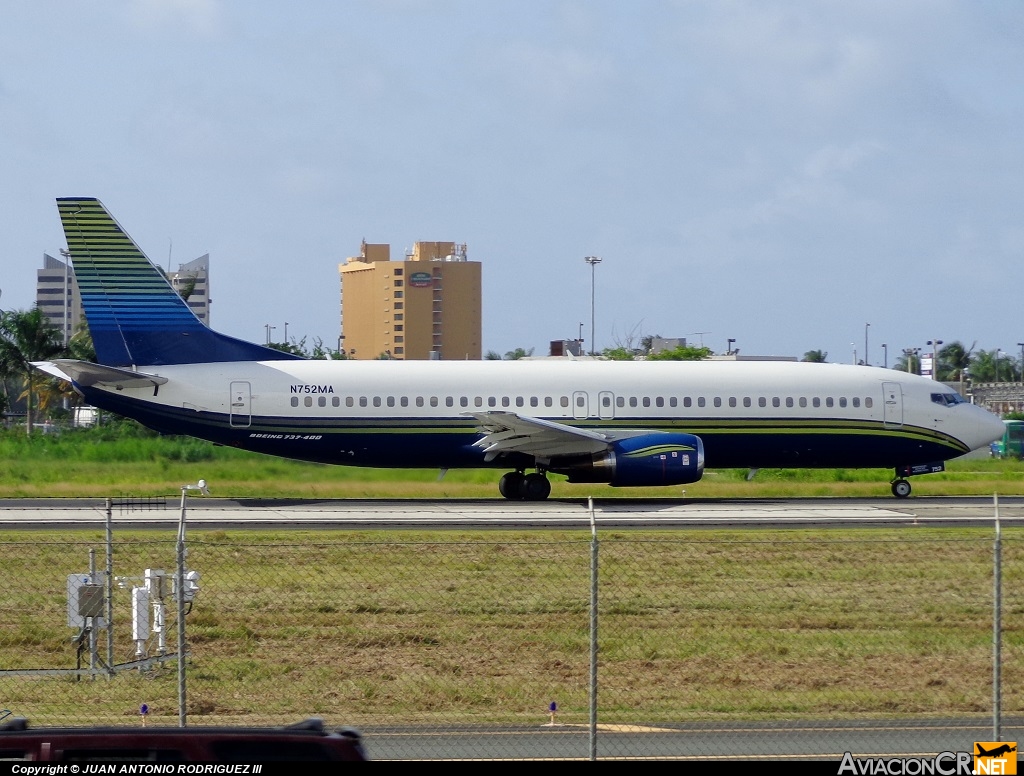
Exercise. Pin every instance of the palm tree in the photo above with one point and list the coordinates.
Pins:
(26, 336)
(816, 356)
(954, 361)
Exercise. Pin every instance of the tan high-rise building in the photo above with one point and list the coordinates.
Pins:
(426, 306)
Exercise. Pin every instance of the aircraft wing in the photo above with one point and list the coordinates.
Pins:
(509, 432)
(89, 374)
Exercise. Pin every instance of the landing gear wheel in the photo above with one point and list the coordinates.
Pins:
(901, 488)
(511, 485)
(536, 487)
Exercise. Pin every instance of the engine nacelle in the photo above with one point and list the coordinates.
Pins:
(651, 459)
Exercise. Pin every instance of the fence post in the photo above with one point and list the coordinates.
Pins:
(593, 630)
(997, 632)
(110, 588)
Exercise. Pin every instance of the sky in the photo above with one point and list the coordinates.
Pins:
(778, 172)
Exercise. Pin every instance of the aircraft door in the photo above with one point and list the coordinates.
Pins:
(892, 402)
(241, 404)
(606, 405)
(580, 405)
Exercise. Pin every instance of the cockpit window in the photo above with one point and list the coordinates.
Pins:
(948, 399)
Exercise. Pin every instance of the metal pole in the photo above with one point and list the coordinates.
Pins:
(866, 361)
(997, 638)
(180, 573)
(593, 630)
(110, 587)
(593, 261)
(92, 624)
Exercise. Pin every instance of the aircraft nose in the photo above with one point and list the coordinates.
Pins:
(988, 428)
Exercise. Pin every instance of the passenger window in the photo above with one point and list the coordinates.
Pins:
(816, 401)
(579, 401)
(350, 401)
(335, 401)
(534, 401)
(659, 402)
(492, 402)
(842, 401)
(672, 402)
(732, 401)
(620, 401)
(363, 401)
(419, 401)
(404, 401)
(391, 401)
(308, 401)
(762, 401)
(718, 401)
(463, 401)
(376, 401)
(868, 403)
(321, 401)
(789, 401)
(856, 401)
(700, 401)
(776, 402)
(548, 401)
(746, 401)
(564, 401)
(295, 401)
(606, 401)
(505, 401)
(828, 401)
(478, 401)
(647, 401)
(520, 402)
(687, 402)
(449, 401)
(632, 401)
(433, 401)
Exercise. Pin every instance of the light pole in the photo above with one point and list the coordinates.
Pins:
(999, 355)
(728, 346)
(909, 354)
(854, 353)
(935, 357)
(269, 329)
(866, 361)
(593, 261)
(885, 350)
(286, 332)
(1021, 345)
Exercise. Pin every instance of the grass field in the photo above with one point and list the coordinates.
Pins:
(113, 461)
(378, 628)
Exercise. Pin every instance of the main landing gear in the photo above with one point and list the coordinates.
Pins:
(518, 486)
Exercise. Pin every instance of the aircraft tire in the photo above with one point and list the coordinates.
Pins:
(536, 487)
(901, 488)
(511, 485)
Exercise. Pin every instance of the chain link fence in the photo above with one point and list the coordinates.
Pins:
(743, 643)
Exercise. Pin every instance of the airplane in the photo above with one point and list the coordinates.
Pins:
(638, 423)
(999, 750)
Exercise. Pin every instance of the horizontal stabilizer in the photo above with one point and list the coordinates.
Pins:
(88, 374)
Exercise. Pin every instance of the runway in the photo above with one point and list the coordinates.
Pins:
(277, 514)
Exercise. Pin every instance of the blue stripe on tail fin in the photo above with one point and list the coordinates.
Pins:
(135, 316)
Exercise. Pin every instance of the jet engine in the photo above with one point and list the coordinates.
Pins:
(650, 459)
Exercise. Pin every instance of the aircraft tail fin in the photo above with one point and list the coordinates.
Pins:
(134, 315)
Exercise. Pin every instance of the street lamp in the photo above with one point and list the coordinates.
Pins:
(935, 357)
(269, 329)
(999, 355)
(909, 354)
(728, 346)
(885, 350)
(593, 261)
(854, 353)
(1021, 344)
(867, 362)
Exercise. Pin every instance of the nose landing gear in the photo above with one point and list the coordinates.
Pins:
(901, 488)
